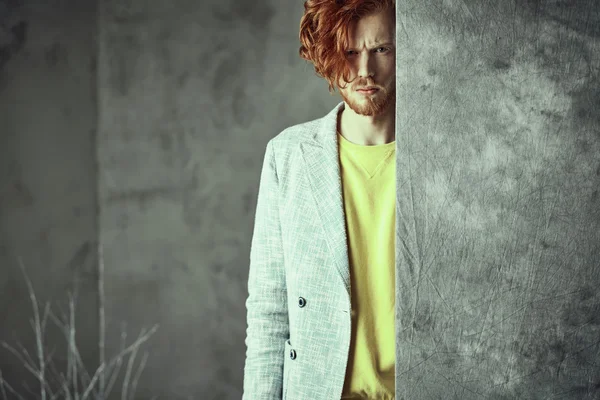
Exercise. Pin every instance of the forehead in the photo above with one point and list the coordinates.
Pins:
(374, 28)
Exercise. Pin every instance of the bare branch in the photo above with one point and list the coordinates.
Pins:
(39, 342)
(113, 376)
(30, 368)
(137, 375)
(128, 374)
(72, 352)
(98, 373)
(68, 388)
(2, 386)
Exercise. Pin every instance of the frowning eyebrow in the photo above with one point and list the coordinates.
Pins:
(377, 45)
(384, 44)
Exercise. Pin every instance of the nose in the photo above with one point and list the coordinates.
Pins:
(365, 67)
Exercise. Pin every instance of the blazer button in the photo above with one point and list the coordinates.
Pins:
(301, 302)
(293, 354)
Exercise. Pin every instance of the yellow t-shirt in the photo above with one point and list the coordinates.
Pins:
(369, 192)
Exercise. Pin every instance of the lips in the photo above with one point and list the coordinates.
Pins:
(367, 92)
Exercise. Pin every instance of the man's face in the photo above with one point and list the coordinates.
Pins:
(372, 59)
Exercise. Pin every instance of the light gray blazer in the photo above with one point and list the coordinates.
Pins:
(298, 308)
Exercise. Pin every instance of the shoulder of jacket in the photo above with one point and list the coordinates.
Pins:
(295, 134)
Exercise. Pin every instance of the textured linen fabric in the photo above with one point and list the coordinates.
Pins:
(368, 177)
(299, 302)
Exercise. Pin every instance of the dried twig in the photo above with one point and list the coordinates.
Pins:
(38, 330)
(68, 387)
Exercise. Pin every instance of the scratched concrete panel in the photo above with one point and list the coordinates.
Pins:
(190, 93)
(47, 175)
(498, 212)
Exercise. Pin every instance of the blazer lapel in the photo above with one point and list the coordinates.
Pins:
(321, 157)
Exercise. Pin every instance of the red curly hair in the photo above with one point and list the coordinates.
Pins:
(325, 26)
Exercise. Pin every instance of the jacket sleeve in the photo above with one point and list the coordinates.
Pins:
(267, 313)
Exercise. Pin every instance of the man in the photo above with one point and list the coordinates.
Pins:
(322, 268)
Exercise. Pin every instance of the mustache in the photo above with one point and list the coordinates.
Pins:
(365, 83)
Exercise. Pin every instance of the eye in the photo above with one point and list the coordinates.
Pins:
(383, 49)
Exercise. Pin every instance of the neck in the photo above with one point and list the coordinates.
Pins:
(367, 130)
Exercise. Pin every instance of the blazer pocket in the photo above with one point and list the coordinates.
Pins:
(286, 367)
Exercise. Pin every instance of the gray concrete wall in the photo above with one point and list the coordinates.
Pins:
(189, 95)
(498, 212)
(47, 172)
